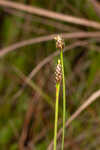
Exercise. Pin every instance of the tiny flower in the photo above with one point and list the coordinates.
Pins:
(59, 42)
(58, 72)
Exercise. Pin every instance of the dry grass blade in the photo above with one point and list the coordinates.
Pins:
(41, 20)
(34, 86)
(74, 35)
(47, 60)
(89, 101)
(50, 14)
(50, 57)
(4, 51)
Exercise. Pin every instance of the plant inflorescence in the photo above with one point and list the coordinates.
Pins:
(59, 76)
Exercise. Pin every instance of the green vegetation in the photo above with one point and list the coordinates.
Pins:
(64, 98)
(56, 114)
(27, 98)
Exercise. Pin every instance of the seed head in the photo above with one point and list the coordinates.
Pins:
(59, 42)
(58, 72)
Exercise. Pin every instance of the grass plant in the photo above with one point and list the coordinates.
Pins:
(60, 45)
(56, 114)
(64, 98)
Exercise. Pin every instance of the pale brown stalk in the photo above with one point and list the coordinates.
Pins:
(74, 35)
(50, 14)
(88, 102)
(47, 60)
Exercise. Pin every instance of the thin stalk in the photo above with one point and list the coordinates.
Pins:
(35, 87)
(64, 98)
(56, 114)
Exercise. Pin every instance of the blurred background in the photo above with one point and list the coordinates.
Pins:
(27, 81)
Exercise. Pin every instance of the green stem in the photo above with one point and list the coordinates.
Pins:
(56, 114)
(64, 99)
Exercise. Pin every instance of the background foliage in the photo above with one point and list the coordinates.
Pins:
(82, 74)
